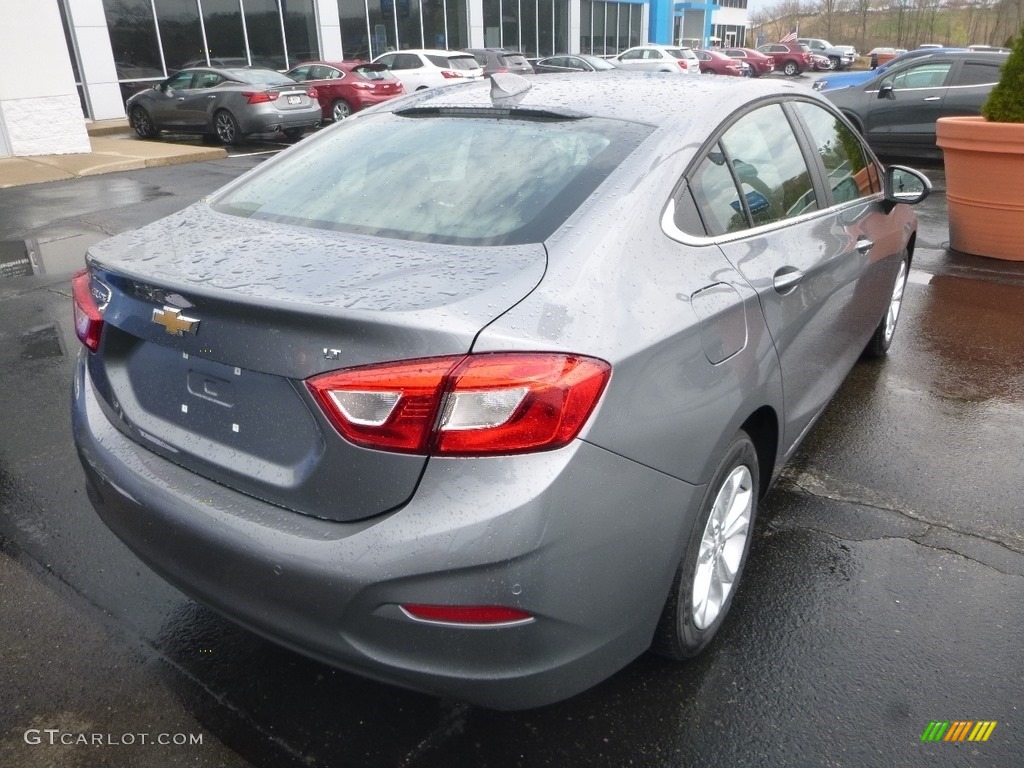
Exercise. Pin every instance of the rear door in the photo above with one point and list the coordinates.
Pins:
(805, 248)
(972, 82)
(197, 104)
(904, 105)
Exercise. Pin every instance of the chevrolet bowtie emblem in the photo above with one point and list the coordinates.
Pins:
(174, 322)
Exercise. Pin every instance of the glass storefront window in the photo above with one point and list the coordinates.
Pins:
(458, 24)
(301, 40)
(263, 27)
(225, 38)
(586, 33)
(510, 24)
(355, 35)
(382, 26)
(409, 30)
(133, 38)
(180, 33)
(432, 13)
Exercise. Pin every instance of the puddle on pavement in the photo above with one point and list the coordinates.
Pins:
(41, 343)
(23, 258)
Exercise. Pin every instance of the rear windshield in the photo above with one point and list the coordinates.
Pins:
(465, 179)
(682, 53)
(261, 77)
(373, 72)
(513, 59)
(453, 62)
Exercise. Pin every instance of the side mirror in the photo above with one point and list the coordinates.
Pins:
(905, 185)
(886, 91)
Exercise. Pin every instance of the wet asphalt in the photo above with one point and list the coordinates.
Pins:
(885, 587)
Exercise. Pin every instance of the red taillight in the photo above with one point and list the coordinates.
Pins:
(88, 320)
(682, 63)
(466, 614)
(260, 97)
(312, 92)
(449, 74)
(471, 405)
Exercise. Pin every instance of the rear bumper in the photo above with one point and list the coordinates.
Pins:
(584, 540)
(272, 119)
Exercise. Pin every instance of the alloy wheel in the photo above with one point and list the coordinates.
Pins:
(722, 546)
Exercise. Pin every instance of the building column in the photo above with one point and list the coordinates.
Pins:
(574, 27)
(659, 29)
(330, 29)
(475, 18)
(95, 59)
(39, 103)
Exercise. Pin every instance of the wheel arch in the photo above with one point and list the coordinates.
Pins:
(763, 428)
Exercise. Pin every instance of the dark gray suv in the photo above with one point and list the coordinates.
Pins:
(500, 60)
(897, 109)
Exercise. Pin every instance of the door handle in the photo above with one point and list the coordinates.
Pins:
(864, 244)
(786, 279)
(181, 98)
(211, 96)
(932, 98)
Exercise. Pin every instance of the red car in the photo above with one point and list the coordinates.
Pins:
(717, 63)
(759, 63)
(344, 87)
(791, 58)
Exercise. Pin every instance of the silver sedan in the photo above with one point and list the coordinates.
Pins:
(492, 418)
(226, 103)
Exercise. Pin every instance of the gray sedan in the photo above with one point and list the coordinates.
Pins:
(226, 103)
(492, 446)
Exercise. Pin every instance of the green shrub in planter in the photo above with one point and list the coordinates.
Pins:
(1006, 102)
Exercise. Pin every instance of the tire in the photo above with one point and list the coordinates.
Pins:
(695, 609)
(294, 134)
(833, 62)
(227, 127)
(143, 123)
(340, 109)
(882, 338)
(790, 69)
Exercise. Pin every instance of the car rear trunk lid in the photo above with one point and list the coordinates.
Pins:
(215, 321)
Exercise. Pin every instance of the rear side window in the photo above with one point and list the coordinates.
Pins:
(453, 62)
(760, 154)
(978, 73)
(485, 181)
(851, 174)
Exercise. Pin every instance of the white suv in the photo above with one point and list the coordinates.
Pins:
(659, 58)
(427, 68)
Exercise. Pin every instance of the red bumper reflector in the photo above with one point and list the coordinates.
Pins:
(466, 614)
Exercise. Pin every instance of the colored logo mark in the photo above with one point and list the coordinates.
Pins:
(958, 730)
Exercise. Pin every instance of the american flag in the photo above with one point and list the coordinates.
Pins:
(794, 33)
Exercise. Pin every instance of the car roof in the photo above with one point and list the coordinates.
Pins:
(646, 97)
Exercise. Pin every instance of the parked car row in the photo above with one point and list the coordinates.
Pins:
(228, 101)
(897, 107)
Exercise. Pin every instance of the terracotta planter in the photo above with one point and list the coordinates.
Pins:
(984, 185)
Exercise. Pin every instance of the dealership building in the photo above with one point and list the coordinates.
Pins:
(63, 62)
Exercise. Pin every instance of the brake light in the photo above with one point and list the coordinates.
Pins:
(466, 614)
(260, 97)
(464, 405)
(449, 74)
(88, 319)
(312, 92)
